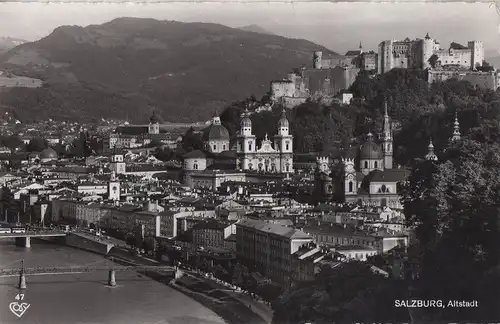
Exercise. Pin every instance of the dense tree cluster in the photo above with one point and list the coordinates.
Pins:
(348, 293)
(452, 203)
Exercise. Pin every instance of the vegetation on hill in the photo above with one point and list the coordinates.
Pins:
(420, 112)
(453, 202)
(349, 293)
(125, 67)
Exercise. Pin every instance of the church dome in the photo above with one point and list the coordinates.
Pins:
(154, 119)
(283, 122)
(215, 132)
(48, 153)
(370, 150)
(246, 122)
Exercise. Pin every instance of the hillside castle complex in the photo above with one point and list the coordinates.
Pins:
(417, 53)
(331, 74)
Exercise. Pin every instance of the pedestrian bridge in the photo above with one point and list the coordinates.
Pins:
(78, 269)
(112, 269)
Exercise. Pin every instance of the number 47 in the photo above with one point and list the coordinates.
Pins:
(19, 296)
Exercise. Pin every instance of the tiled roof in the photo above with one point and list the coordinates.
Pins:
(388, 175)
(276, 229)
(195, 155)
(352, 53)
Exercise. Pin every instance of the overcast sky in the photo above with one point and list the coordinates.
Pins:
(338, 26)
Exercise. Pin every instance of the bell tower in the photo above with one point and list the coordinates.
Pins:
(246, 143)
(456, 129)
(113, 187)
(283, 142)
(154, 124)
(387, 144)
(350, 182)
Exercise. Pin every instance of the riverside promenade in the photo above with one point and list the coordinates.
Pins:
(230, 303)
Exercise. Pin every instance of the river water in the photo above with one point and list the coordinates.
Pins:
(85, 298)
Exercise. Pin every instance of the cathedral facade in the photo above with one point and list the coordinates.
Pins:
(270, 157)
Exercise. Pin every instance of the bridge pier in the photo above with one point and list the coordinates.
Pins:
(112, 278)
(23, 241)
(22, 280)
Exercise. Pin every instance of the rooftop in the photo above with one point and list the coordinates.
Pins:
(276, 229)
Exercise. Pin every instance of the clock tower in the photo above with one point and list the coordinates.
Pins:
(114, 188)
(350, 182)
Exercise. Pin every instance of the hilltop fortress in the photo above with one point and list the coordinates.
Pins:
(331, 74)
(328, 76)
(416, 54)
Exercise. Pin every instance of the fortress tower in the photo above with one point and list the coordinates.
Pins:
(477, 53)
(427, 51)
(317, 59)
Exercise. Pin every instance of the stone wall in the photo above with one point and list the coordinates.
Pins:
(80, 242)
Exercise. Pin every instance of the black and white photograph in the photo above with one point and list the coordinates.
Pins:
(249, 162)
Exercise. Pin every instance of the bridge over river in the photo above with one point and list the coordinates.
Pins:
(22, 272)
(24, 238)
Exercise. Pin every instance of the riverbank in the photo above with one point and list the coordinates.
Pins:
(204, 291)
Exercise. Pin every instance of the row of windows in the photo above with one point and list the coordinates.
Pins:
(223, 147)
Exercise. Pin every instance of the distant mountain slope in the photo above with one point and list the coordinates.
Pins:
(7, 43)
(129, 65)
(256, 29)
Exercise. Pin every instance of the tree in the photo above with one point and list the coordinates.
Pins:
(239, 274)
(486, 67)
(164, 154)
(349, 293)
(433, 60)
(9, 206)
(454, 206)
(37, 144)
(191, 141)
(221, 273)
(155, 143)
(13, 142)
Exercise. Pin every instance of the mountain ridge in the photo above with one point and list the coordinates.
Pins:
(256, 29)
(129, 65)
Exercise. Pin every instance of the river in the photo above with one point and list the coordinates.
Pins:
(85, 298)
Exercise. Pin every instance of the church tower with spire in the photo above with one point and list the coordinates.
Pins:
(431, 156)
(283, 143)
(387, 141)
(456, 130)
(154, 124)
(246, 143)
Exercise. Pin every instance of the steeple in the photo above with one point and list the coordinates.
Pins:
(246, 123)
(427, 36)
(387, 139)
(360, 48)
(456, 129)
(430, 152)
(216, 118)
